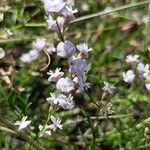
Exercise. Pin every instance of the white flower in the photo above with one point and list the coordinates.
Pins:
(55, 25)
(83, 48)
(33, 54)
(61, 99)
(70, 10)
(65, 85)
(107, 9)
(39, 44)
(128, 76)
(26, 58)
(2, 53)
(56, 123)
(30, 56)
(52, 6)
(65, 102)
(86, 85)
(147, 85)
(44, 132)
(53, 99)
(108, 88)
(56, 75)
(23, 123)
(132, 59)
(143, 70)
(65, 49)
(51, 49)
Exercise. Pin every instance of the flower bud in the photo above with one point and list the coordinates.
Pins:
(65, 49)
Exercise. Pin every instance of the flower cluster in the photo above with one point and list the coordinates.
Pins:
(37, 46)
(58, 15)
(139, 69)
(45, 131)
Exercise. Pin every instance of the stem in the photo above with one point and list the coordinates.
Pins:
(100, 118)
(48, 118)
(60, 35)
(112, 11)
(49, 60)
(80, 18)
(22, 24)
(22, 134)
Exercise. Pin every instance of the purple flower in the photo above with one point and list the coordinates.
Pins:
(65, 49)
(129, 76)
(39, 44)
(84, 50)
(55, 75)
(65, 102)
(65, 85)
(55, 25)
(33, 54)
(54, 6)
(79, 67)
(68, 13)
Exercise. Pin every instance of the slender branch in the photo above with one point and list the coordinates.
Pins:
(49, 61)
(99, 118)
(111, 117)
(80, 18)
(101, 13)
(111, 11)
(22, 134)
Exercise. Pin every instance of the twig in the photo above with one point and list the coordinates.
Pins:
(100, 118)
(111, 117)
(49, 61)
(145, 146)
(22, 134)
(111, 11)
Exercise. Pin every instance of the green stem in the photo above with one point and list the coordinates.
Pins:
(111, 11)
(20, 133)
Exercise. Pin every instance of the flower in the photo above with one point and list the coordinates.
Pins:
(30, 56)
(147, 85)
(53, 99)
(132, 59)
(56, 123)
(79, 67)
(55, 25)
(65, 49)
(51, 49)
(33, 54)
(26, 58)
(70, 9)
(52, 6)
(68, 13)
(44, 131)
(83, 48)
(108, 88)
(128, 76)
(2, 53)
(23, 123)
(65, 85)
(65, 102)
(56, 75)
(143, 70)
(86, 85)
(39, 44)
(61, 99)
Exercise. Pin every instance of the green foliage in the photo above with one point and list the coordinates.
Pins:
(112, 37)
